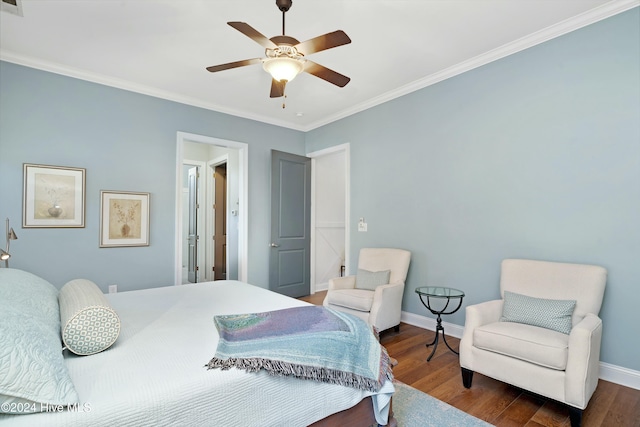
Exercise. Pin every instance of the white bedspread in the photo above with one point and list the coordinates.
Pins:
(154, 374)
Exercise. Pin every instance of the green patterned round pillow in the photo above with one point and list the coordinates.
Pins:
(89, 324)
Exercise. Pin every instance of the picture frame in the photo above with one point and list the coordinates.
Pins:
(124, 219)
(53, 196)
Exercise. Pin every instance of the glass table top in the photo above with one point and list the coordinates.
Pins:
(439, 291)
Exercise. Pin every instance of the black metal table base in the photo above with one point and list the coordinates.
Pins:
(441, 293)
(434, 343)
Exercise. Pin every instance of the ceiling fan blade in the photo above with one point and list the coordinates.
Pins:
(277, 88)
(253, 34)
(324, 42)
(236, 64)
(325, 73)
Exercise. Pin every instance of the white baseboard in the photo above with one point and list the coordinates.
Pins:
(430, 324)
(619, 375)
(608, 372)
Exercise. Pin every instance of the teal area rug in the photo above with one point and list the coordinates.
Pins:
(413, 408)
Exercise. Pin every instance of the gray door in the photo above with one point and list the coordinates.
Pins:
(290, 261)
(192, 264)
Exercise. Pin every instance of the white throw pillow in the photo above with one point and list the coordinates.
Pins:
(89, 324)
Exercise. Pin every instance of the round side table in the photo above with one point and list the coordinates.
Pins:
(440, 293)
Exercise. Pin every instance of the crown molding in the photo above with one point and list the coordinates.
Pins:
(574, 23)
(590, 17)
(56, 68)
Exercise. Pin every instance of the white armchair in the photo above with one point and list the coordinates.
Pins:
(380, 306)
(563, 367)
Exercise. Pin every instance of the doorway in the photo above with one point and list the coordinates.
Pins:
(330, 230)
(220, 222)
(211, 153)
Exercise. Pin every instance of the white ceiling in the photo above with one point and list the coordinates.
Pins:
(161, 48)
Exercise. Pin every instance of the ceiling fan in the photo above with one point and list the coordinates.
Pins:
(286, 56)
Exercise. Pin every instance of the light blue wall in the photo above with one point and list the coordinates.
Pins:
(126, 141)
(536, 156)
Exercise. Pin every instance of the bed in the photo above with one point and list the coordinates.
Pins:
(154, 374)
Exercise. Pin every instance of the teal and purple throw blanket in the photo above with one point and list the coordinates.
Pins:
(311, 342)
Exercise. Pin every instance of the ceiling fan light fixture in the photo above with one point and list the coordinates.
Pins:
(283, 68)
(285, 56)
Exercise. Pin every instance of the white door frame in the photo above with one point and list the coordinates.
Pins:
(347, 205)
(243, 194)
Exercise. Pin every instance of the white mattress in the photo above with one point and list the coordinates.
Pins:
(154, 374)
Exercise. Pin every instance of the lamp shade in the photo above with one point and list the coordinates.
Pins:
(4, 255)
(283, 68)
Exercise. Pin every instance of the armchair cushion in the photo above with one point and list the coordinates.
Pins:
(552, 314)
(370, 280)
(532, 344)
(356, 299)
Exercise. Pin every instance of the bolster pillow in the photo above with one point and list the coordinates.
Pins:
(89, 324)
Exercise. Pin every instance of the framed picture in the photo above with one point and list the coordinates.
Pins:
(124, 219)
(53, 196)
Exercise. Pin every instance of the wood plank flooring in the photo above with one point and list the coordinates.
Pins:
(493, 401)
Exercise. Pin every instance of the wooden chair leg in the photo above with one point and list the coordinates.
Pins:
(467, 377)
(575, 415)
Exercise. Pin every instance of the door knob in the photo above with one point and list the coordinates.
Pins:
(273, 245)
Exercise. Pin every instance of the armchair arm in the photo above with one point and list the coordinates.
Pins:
(483, 313)
(476, 316)
(347, 282)
(386, 309)
(583, 361)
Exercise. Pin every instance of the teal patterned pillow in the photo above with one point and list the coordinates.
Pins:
(545, 313)
(89, 324)
(372, 279)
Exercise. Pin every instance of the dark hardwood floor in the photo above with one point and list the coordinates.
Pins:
(495, 402)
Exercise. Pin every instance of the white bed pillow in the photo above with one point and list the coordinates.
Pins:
(31, 294)
(89, 324)
(32, 369)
